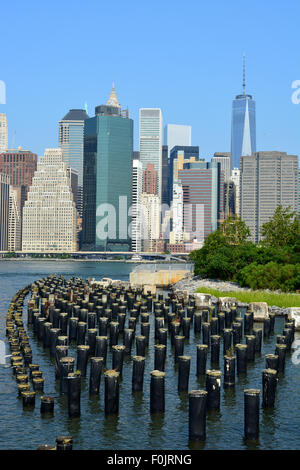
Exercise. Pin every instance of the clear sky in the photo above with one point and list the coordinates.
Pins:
(182, 56)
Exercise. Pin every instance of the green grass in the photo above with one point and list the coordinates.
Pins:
(281, 300)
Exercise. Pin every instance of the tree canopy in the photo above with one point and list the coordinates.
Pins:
(273, 263)
(283, 229)
(235, 230)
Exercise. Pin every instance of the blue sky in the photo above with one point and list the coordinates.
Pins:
(182, 56)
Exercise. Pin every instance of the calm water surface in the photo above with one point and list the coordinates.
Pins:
(135, 428)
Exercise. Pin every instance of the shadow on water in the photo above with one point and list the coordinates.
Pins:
(213, 424)
(183, 404)
(229, 395)
(201, 382)
(94, 404)
(196, 445)
(138, 400)
(250, 445)
(268, 422)
(110, 427)
(242, 380)
(156, 424)
(74, 427)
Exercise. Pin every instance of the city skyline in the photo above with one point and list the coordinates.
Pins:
(201, 99)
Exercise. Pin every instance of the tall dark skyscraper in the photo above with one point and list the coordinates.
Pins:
(107, 168)
(243, 125)
(164, 175)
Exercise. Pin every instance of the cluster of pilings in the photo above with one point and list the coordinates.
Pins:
(103, 324)
(28, 376)
(232, 327)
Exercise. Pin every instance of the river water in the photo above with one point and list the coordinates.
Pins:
(134, 427)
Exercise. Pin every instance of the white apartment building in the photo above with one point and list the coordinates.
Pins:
(14, 221)
(150, 220)
(177, 234)
(4, 211)
(3, 133)
(49, 214)
(236, 179)
(135, 211)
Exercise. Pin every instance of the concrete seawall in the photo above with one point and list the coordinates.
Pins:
(161, 278)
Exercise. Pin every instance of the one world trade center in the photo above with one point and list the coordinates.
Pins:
(243, 126)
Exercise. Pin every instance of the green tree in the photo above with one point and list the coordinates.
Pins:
(10, 254)
(282, 229)
(235, 230)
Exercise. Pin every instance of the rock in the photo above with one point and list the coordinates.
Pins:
(227, 302)
(260, 310)
(186, 296)
(294, 314)
(202, 300)
(116, 282)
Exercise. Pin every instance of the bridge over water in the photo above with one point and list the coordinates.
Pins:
(104, 255)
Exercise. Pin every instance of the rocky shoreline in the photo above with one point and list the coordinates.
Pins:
(191, 284)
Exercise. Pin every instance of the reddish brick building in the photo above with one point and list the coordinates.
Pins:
(150, 180)
(20, 166)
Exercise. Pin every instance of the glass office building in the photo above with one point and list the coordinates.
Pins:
(108, 149)
(70, 140)
(203, 183)
(243, 128)
(151, 141)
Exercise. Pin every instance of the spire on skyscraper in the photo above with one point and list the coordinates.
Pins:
(113, 99)
(244, 74)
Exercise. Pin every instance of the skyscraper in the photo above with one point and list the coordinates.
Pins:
(3, 133)
(224, 159)
(150, 179)
(178, 156)
(20, 166)
(165, 175)
(177, 234)
(14, 220)
(151, 221)
(243, 126)
(4, 211)
(107, 176)
(49, 214)
(299, 191)
(229, 199)
(203, 197)
(137, 182)
(151, 141)
(236, 179)
(70, 140)
(268, 180)
(177, 134)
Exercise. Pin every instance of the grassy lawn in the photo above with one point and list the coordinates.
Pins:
(281, 300)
